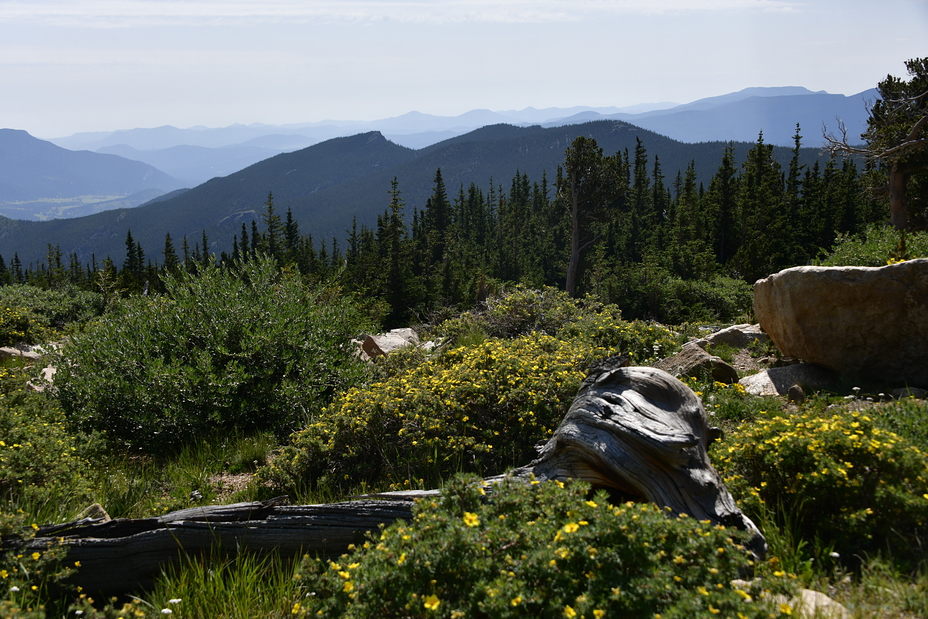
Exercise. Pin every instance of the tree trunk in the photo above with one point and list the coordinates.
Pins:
(898, 196)
(573, 266)
(636, 431)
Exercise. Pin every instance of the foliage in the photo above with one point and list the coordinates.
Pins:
(850, 485)
(907, 417)
(538, 550)
(476, 408)
(523, 310)
(26, 576)
(247, 348)
(653, 292)
(875, 247)
(56, 307)
(43, 467)
(212, 471)
(244, 587)
(18, 325)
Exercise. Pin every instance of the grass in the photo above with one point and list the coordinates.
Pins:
(212, 471)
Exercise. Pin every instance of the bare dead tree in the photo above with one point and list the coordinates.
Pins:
(897, 152)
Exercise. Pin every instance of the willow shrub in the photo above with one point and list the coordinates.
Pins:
(479, 408)
(243, 348)
(845, 484)
(539, 550)
(875, 247)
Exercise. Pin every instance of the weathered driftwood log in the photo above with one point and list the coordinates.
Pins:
(643, 433)
(125, 555)
(637, 431)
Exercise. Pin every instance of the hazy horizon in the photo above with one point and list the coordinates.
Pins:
(104, 65)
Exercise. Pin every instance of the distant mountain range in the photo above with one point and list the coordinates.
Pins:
(198, 154)
(330, 184)
(39, 180)
(332, 171)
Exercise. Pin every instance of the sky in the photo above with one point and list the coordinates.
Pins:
(71, 66)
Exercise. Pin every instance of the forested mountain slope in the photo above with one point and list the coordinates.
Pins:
(328, 185)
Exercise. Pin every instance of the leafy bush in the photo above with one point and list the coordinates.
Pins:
(522, 311)
(40, 462)
(250, 348)
(847, 484)
(19, 325)
(542, 550)
(26, 577)
(906, 417)
(54, 307)
(652, 292)
(876, 246)
(476, 408)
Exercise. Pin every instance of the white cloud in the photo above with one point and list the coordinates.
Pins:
(128, 13)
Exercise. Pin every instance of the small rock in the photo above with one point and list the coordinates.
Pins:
(385, 343)
(796, 395)
(738, 336)
(25, 352)
(694, 361)
(777, 381)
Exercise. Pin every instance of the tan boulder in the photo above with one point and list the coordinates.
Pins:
(868, 323)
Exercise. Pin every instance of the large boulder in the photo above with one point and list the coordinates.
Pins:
(867, 323)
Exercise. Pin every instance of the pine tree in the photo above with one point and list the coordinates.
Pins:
(171, 264)
(273, 230)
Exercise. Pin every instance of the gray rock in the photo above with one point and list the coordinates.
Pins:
(386, 343)
(694, 361)
(861, 322)
(796, 395)
(778, 381)
(737, 336)
(24, 352)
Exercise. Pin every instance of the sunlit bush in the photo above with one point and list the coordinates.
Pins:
(539, 550)
(844, 483)
(40, 461)
(247, 348)
(33, 315)
(476, 408)
(875, 247)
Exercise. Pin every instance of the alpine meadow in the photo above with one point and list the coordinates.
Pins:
(207, 348)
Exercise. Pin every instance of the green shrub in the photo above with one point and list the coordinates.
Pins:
(522, 311)
(906, 417)
(27, 577)
(542, 550)
(43, 469)
(845, 483)
(56, 307)
(876, 246)
(478, 408)
(649, 291)
(20, 325)
(245, 349)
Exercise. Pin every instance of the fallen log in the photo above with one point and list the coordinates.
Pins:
(125, 555)
(638, 432)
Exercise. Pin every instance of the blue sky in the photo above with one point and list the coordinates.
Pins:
(69, 66)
